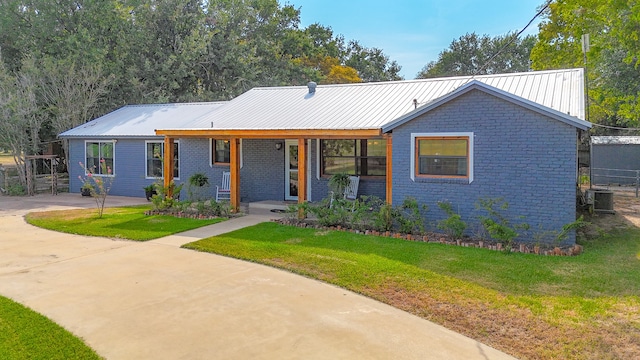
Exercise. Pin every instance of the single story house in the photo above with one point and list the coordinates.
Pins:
(457, 139)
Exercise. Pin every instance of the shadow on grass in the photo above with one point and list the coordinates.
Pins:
(157, 226)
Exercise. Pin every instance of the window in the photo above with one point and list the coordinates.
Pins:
(362, 157)
(155, 155)
(99, 157)
(221, 151)
(448, 155)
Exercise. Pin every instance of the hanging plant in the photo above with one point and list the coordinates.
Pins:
(199, 180)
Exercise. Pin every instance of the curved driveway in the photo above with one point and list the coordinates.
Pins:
(153, 300)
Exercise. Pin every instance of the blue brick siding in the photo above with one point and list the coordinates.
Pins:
(129, 166)
(262, 174)
(525, 158)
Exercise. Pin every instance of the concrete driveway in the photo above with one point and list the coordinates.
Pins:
(153, 300)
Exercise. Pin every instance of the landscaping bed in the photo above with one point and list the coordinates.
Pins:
(492, 229)
(442, 238)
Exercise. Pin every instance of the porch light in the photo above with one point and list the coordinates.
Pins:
(278, 145)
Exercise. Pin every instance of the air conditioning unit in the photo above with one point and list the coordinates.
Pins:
(600, 200)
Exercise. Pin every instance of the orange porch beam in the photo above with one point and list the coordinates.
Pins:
(168, 165)
(302, 174)
(389, 170)
(234, 168)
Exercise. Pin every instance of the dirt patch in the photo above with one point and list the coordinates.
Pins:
(627, 213)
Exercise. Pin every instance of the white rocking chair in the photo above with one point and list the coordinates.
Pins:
(351, 191)
(223, 192)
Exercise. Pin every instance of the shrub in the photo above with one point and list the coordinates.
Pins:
(15, 190)
(453, 224)
(331, 213)
(497, 225)
(409, 216)
(162, 200)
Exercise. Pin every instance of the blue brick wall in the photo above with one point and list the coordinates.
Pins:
(262, 174)
(195, 158)
(519, 155)
(129, 167)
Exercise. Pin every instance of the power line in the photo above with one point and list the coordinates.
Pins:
(513, 38)
(615, 127)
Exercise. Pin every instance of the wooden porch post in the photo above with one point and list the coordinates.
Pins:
(168, 165)
(389, 171)
(234, 168)
(302, 174)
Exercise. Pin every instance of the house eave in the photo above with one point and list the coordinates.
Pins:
(476, 85)
(271, 133)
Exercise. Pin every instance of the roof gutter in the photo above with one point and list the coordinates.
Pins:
(273, 134)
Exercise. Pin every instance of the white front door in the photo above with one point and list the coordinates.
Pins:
(291, 170)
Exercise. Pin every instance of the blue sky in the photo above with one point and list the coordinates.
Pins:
(414, 32)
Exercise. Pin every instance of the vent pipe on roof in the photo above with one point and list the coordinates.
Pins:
(312, 87)
(415, 103)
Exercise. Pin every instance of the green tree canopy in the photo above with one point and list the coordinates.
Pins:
(612, 60)
(472, 54)
(65, 62)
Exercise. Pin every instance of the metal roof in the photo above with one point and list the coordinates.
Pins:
(374, 105)
(615, 140)
(477, 85)
(142, 120)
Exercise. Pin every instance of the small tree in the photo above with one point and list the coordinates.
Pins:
(497, 225)
(453, 225)
(99, 186)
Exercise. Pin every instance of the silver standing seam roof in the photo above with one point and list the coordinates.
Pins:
(374, 105)
(137, 121)
(615, 140)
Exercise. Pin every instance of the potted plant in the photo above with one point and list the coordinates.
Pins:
(196, 188)
(86, 188)
(149, 191)
(338, 183)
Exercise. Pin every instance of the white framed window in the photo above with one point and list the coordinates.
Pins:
(442, 156)
(99, 157)
(154, 155)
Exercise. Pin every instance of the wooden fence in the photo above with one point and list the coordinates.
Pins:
(44, 183)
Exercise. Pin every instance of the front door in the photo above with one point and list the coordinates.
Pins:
(291, 170)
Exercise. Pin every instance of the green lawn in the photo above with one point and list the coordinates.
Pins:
(123, 222)
(25, 334)
(530, 306)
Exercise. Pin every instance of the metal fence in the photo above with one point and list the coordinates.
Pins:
(602, 176)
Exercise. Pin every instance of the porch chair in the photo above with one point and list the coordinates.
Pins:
(223, 192)
(351, 191)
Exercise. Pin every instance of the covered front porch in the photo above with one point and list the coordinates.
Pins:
(296, 161)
